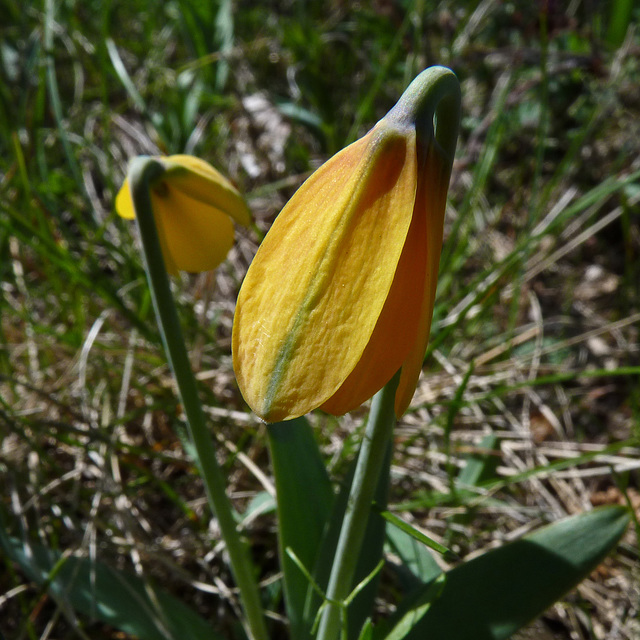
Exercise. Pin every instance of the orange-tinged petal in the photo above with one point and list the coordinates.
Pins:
(397, 328)
(431, 202)
(402, 333)
(326, 268)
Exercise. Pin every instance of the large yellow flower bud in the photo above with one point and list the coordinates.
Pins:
(341, 292)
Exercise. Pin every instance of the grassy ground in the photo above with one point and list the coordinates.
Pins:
(536, 337)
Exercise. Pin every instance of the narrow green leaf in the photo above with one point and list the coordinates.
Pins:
(225, 36)
(418, 565)
(367, 631)
(492, 596)
(300, 114)
(304, 502)
(480, 465)
(125, 78)
(102, 593)
(415, 534)
(619, 21)
(260, 504)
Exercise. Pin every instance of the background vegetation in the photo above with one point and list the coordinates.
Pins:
(536, 334)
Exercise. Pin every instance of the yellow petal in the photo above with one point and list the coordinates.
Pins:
(124, 203)
(193, 236)
(202, 182)
(319, 281)
(193, 206)
(431, 201)
(397, 329)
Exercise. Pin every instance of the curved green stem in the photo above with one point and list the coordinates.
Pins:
(433, 93)
(377, 434)
(142, 173)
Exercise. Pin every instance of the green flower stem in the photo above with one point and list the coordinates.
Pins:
(435, 92)
(377, 434)
(142, 174)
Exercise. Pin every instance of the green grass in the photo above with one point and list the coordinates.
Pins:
(539, 284)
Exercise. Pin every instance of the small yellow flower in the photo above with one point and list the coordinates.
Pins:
(340, 294)
(194, 207)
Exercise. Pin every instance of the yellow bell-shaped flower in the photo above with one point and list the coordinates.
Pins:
(340, 294)
(194, 207)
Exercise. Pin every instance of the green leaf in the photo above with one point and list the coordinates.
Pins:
(304, 502)
(411, 618)
(260, 504)
(102, 593)
(418, 565)
(224, 40)
(480, 465)
(122, 73)
(619, 21)
(399, 523)
(300, 114)
(492, 596)
(367, 631)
